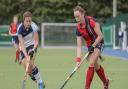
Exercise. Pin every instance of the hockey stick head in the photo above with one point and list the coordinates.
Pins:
(24, 84)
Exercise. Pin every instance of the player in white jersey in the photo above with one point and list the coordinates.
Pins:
(28, 39)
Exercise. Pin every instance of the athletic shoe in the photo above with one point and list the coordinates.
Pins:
(87, 88)
(41, 86)
(107, 83)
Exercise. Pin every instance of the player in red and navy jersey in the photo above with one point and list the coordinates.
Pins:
(13, 33)
(88, 29)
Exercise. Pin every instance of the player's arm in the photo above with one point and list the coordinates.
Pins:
(36, 38)
(36, 42)
(99, 34)
(4, 34)
(79, 50)
(10, 34)
(21, 42)
(79, 46)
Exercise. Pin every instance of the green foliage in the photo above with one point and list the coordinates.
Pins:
(57, 10)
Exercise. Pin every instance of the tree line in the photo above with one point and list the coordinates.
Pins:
(58, 10)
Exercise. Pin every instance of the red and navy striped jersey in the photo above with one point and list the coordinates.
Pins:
(13, 27)
(87, 32)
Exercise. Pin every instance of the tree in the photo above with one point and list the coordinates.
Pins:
(58, 10)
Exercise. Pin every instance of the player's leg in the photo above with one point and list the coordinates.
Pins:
(16, 45)
(24, 63)
(100, 72)
(20, 60)
(93, 58)
(17, 48)
(36, 74)
(17, 53)
(35, 71)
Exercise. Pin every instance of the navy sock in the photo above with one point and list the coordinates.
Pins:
(32, 77)
(36, 74)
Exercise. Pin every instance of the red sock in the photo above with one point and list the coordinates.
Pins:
(89, 77)
(17, 54)
(101, 74)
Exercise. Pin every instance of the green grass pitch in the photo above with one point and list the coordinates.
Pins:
(55, 65)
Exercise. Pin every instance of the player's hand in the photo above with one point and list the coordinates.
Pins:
(31, 53)
(78, 60)
(90, 49)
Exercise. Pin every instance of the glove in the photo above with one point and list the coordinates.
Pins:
(90, 49)
(78, 60)
(31, 53)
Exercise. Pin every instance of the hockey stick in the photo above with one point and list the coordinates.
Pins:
(25, 76)
(73, 72)
(27, 68)
(24, 84)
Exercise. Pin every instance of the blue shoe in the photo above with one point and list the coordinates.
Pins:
(41, 86)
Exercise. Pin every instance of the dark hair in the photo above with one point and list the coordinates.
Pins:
(80, 9)
(27, 14)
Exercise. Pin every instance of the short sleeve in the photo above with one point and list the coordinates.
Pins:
(92, 22)
(34, 27)
(19, 29)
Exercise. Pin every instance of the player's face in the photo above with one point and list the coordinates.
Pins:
(15, 20)
(27, 22)
(78, 16)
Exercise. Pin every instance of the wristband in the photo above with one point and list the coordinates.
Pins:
(78, 59)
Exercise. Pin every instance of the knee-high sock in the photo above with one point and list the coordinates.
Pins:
(32, 77)
(36, 75)
(17, 54)
(89, 77)
(101, 74)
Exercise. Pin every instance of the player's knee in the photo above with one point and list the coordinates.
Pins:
(91, 64)
(93, 61)
(97, 66)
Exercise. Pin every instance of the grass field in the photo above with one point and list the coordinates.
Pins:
(55, 65)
